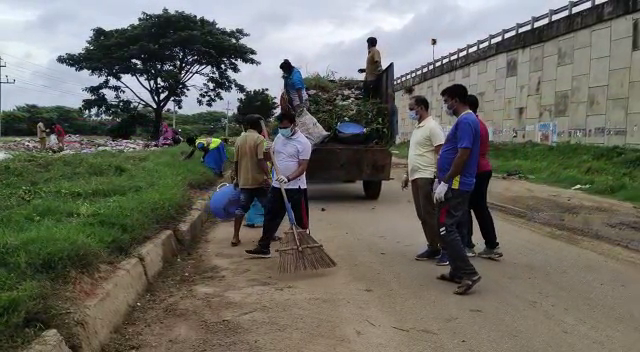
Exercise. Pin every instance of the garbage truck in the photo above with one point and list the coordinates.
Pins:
(370, 163)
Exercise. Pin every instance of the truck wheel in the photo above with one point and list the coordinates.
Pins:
(372, 189)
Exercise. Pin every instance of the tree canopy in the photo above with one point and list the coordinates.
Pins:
(257, 101)
(155, 61)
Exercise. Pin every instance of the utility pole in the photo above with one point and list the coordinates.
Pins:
(174, 115)
(5, 81)
(434, 42)
(226, 132)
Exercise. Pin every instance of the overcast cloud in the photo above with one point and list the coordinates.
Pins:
(320, 35)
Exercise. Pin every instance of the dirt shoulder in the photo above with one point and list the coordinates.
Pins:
(569, 210)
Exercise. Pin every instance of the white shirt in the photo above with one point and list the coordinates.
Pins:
(288, 152)
(422, 149)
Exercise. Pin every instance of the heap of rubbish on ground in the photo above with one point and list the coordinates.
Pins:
(76, 144)
(332, 101)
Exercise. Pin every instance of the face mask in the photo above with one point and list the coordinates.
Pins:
(447, 110)
(413, 115)
(285, 132)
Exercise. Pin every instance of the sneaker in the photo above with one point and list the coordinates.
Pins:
(489, 253)
(259, 252)
(429, 254)
(470, 252)
(443, 259)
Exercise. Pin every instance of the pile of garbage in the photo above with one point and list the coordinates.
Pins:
(334, 101)
(76, 144)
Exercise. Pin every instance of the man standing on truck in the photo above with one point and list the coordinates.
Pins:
(457, 165)
(424, 146)
(251, 171)
(372, 70)
(294, 88)
(292, 151)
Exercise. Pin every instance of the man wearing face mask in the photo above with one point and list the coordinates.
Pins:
(292, 151)
(457, 166)
(425, 143)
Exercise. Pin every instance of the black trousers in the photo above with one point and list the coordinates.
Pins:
(371, 89)
(451, 221)
(275, 211)
(478, 204)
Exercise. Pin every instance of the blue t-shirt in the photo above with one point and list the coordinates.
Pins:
(465, 134)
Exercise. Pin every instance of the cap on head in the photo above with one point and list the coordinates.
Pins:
(372, 41)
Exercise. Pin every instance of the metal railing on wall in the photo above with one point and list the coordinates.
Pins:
(535, 21)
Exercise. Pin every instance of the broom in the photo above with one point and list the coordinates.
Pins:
(298, 250)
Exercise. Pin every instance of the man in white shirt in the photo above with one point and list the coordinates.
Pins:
(292, 151)
(424, 146)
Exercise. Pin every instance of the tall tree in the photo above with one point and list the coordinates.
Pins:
(152, 62)
(259, 102)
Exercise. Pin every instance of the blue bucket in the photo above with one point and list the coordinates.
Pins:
(224, 202)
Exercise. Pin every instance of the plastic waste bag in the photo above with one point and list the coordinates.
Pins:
(310, 128)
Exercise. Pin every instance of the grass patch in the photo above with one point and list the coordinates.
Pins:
(611, 171)
(72, 212)
(401, 150)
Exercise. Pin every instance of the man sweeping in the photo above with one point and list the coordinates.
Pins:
(251, 170)
(292, 151)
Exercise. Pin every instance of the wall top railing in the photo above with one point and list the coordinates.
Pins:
(553, 14)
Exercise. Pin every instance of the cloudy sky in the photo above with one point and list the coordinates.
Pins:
(316, 36)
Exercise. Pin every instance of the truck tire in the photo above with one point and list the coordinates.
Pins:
(372, 189)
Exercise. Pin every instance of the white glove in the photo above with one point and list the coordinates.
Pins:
(438, 195)
(282, 180)
(405, 182)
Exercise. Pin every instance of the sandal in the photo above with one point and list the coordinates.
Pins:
(448, 278)
(235, 243)
(466, 285)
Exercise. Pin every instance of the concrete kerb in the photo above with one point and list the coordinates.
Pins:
(49, 341)
(101, 315)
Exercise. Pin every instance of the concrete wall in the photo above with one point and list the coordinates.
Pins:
(578, 81)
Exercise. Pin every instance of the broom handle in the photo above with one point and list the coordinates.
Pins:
(284, 195)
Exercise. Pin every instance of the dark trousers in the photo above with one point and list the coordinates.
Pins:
(452, 220)
(275, 211)
(371, 89)
(422, 191)
(478, 204)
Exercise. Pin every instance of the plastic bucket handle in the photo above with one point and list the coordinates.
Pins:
(221, 185)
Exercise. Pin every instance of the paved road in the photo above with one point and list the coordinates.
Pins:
(547, 294)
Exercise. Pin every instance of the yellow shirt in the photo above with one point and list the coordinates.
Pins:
(374, 65)
(422, 149)
(249, 149)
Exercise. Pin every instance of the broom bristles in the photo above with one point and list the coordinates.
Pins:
(312, 257)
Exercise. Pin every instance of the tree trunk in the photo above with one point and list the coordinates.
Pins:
(157, 122)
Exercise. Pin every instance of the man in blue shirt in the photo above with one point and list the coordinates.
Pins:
(457, 166)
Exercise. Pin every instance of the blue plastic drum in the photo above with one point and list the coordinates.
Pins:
(224, 202)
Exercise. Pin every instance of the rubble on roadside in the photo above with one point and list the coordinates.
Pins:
(77, 144)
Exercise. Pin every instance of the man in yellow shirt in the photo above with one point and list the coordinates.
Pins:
(371, 89)
(424, 146)
(251, 171)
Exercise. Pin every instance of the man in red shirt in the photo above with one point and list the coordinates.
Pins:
(478, 200)
(59, 132)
